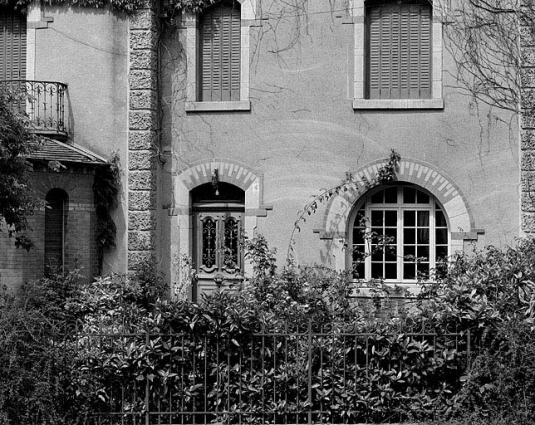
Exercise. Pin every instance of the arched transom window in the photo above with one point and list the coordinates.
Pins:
(397, 233)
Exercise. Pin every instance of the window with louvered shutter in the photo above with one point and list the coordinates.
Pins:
(55, 225)
(398, 49)
(220, 53)
(12, 45)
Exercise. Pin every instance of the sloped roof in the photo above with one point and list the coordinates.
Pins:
(52, 150)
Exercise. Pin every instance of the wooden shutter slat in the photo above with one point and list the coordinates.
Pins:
(399, 51)
(13, 45)
(221, 46)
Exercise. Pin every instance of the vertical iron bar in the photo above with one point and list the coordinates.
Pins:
(147, 340)
(309, 371)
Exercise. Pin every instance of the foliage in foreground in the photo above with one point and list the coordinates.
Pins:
(174, 347)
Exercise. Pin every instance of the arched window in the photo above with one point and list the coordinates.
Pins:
(397, 233)
(57, 206)
(218, 226)
(219, 70)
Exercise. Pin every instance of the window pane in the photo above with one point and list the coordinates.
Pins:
(231, 250)
(441, 236)
(391, 271)
(423, 218)
(423, 269)
(423, 198)
(377, 254)
(409, 250)
(409, 218)
(358, 271)
(358, 235)
(409, 195)
(377, 198)
(391, 235)
(391, 218)
(409, 236)
(423, 236)
(440, 220)
(441, 252)
(377, 218)
(409, 271)
(391, 195)
(423, 253)
(377, 270)
(208, 249)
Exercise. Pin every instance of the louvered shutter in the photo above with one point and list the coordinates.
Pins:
(220, 53)
(399, 51)
(12, 45)
(55, 219)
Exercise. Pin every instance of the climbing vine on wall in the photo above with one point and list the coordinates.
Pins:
(105, 191)
(352, 182)
(128, 6)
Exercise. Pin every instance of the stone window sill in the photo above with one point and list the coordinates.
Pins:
(398, 104)
(242, 105)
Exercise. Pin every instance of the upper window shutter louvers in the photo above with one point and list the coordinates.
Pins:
(12, 46)
(399, 51)
(220, 69)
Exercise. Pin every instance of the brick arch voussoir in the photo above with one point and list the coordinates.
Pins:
(229, 171)
(424, 175)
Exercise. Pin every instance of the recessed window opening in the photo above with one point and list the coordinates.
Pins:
(398, 234)
(56, 210)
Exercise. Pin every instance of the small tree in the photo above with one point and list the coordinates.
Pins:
(17, 200)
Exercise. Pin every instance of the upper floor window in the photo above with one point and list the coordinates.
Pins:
(398, 234)
(398, 35)
(219, 71)
(218, 56)
(12, 45)
(56, 208)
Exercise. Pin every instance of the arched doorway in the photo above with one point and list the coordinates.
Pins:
(218, 226)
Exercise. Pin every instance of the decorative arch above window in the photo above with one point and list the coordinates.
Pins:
(452, 202)
(56, 210)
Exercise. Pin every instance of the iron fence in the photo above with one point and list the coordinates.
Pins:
(307, 376)
(42, 103)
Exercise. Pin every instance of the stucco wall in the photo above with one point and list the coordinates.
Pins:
(302, 132)
(87, 49)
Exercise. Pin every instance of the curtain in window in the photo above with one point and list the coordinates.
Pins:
(399, 51)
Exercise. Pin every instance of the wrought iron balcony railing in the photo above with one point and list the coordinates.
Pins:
(41, 103)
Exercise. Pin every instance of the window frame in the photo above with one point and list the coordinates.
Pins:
(365, 204)
(191, 26)
(360, 101)
(53, 238)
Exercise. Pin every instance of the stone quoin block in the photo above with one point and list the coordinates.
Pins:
(143, 99)
(141, 240)
(143, 59)
(528, 223)
(141, 140)
(141, 160)
(144, 19)
(142, 40)
(142, 120)
(527, 180)
(142, 220)
(142, 180)
(528, 161)
(136, 258)
(142, 79)
(528, 139)
(141, 200)
(528, 201)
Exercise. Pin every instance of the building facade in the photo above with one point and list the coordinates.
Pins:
(228, 120)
